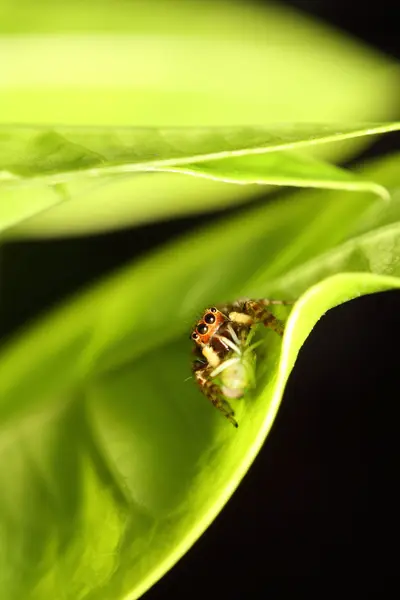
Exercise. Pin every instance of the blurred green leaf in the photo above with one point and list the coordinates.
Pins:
(40, 151)
(186, 64)
(370, 242)
(100, 178)
(113, 463)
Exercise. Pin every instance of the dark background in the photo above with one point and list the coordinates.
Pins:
(306, 506)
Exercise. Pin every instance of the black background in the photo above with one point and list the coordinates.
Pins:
(321, 496)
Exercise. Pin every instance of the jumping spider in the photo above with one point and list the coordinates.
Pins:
(224, 363)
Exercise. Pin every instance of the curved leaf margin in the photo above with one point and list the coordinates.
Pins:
(306, 313)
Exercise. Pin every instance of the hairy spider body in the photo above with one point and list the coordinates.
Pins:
(225, 360)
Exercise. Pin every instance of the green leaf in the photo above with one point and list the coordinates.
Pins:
(113, 463)
(143, 64)
(371, 243)
(118, 475)
(60, 152)
(98, 178)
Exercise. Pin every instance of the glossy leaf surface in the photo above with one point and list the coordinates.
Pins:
(118, 463)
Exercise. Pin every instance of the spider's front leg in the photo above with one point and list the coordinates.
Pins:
(212, 391)
(252, 312)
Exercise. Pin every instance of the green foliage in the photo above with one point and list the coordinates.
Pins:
(196, 63)
(125, 462)
(112, 462)
(97, 178)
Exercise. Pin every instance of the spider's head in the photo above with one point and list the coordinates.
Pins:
(207, 327)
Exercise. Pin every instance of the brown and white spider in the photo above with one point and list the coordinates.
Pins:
(224, 366)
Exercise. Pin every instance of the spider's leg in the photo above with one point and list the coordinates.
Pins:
(213, 393)
(261, 314)
(255, 311)
(267, 302)
(240, 304)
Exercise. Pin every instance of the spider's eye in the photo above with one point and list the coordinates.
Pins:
(209, 318)
(202, 328)
(213, 309)
(194, 336)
